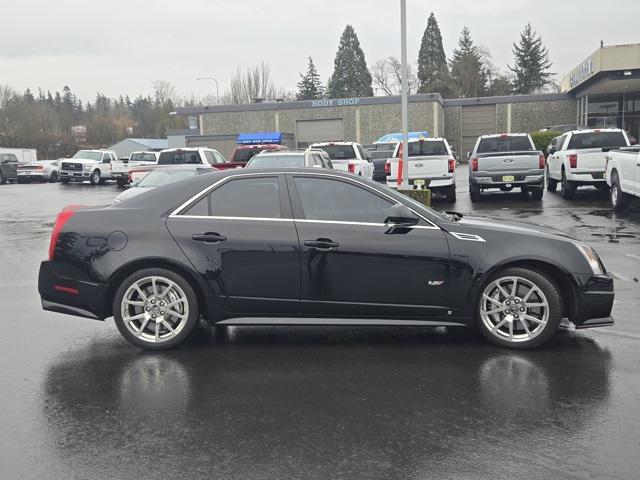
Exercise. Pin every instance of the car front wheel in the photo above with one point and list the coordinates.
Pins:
(567, 188)
(519, 308)
(95, 177)
(619, 199)
(155, 309)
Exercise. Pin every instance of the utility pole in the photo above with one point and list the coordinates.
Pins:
(404, 105)
(217, 89)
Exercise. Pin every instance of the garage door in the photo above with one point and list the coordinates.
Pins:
(311, 131)
(476, 120)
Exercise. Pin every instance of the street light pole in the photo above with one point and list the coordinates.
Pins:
(217, 89)
(404, 105)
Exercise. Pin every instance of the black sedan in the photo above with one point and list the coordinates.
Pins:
(308, 246)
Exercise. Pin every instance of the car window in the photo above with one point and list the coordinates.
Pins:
(277, 161)
(339, 152)
(596, 140)
(106, 158)
(317, 159)
(200, 208)
(179, 157)
(363, 155)
(247, 197)
(436, 147)
(219, 158)
(209, 156)
(504, 143)
(327, 199)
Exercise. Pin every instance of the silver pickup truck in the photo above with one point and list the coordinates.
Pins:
(506, 161)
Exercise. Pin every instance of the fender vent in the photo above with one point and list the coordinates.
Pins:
(468, 237)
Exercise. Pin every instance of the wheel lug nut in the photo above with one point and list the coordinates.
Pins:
(516, 315)
(517, 300)
(153, 316)
(162, 313)
(148, 309)
(522, 309)
(508, 302)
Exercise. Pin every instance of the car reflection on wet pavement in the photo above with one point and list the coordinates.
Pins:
(316, 402)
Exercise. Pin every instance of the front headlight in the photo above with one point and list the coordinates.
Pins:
(592, 258)
(87, 166)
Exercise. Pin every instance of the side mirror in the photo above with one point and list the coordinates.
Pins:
(551, 150)
(400, 215)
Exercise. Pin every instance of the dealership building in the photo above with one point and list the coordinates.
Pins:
(602, 91)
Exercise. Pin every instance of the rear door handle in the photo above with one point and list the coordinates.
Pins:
(321, 244)
(209, 237)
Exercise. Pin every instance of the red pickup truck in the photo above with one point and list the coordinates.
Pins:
(243, 153)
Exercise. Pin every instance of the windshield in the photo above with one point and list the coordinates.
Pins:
(142, 157)
(418, 149)
(157, 178)
(597, 140)
(179, 157)
(339, 152)
(276, 161)
(505, 144)
(245, 155)
(88, 155)
(378, 154)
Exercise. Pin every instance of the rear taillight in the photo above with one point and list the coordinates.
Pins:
(130, 180)
(573, 160)
(352, 168)
(452, 165)
(387, 168)
(474, 163)
(541, 162)
(62, 218)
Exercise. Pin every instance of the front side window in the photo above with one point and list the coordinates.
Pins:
(219, 158)
(247, 197)
(326, 199)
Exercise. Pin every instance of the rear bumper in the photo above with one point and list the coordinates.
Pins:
(31, 176)
(67, 295)
(440, 181)
(116, 175)
(594, 301)
(587, 177)
(486, 179)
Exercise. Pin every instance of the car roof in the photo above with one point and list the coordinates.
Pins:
(260, 145)
(592, 130)
(494, 135)
(323, 144)
(279, 153)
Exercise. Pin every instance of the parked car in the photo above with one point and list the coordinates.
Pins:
(181, 156)
(92, 165)
(159, 177)
(243, 153)
(623, 176)
(290, 158)
(348, 157)
(41, 171)
(8, 168)
(506, 161)
(313, 246)
(580, 157)
(120, 168)
(430, 161)
(380, 153)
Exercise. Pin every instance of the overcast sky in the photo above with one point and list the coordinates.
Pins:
(119, 46)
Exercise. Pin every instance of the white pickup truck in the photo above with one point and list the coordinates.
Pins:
(579, 159)
(348, 157)
(92, 165)
(120, 169)
(623, 176)
(430, 161)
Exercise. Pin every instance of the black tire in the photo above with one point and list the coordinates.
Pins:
(552, 184)
(450, 193)
(474, 193)
(550, 290)
(53, 178)
(537, 193)
(567, 188)
(603, 188)
(619, 200)
(186, 326)
(65, 180)
(2, 179)
(121, 182)
(95, 177)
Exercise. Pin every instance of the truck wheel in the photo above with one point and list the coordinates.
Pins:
(2, 180)
(567, 188)
(65, 180)
(619, 199)
(450, 193)
(474, 192)
(121, 182)
(536, 194)
(53, 178)
(552, 184)
(95, 177)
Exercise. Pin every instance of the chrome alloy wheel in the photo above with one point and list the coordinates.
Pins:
(514, 309)
(154, 309)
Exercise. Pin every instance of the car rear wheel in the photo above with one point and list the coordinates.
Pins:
(121, 182)
(474, 192)
(567, 188)
(95, 177)
(2, 180)
(619, 199)
(537, 193)
(155, 309)
(450, 194)
(552, 184)
(53, 178)
(519, 308)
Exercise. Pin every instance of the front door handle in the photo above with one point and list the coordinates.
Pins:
(209, 237)
(321, 244)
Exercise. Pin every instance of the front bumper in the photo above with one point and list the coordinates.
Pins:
(594, 301)
(75, 176)
(63, 294)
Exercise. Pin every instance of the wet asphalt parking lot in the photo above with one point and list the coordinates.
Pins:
(78, 401)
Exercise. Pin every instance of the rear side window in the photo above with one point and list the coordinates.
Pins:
(417, 149)
(339, 152)
(504, 144)
(596, 140)
(179, 157)
(247, 197)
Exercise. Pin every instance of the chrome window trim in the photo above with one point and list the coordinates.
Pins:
(219, 217)
(197, 196)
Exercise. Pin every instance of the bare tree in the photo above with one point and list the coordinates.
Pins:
(253, 83)
(387, 76)
(6, 92)
(164, 91)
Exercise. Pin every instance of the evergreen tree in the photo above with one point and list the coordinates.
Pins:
(433, 71)
(309, 86)
(350, 77)
(531, 69)
(467, 68)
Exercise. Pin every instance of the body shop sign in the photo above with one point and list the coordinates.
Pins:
(335, 102)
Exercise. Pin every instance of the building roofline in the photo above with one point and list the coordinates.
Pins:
(336, 103)
(536, 97)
